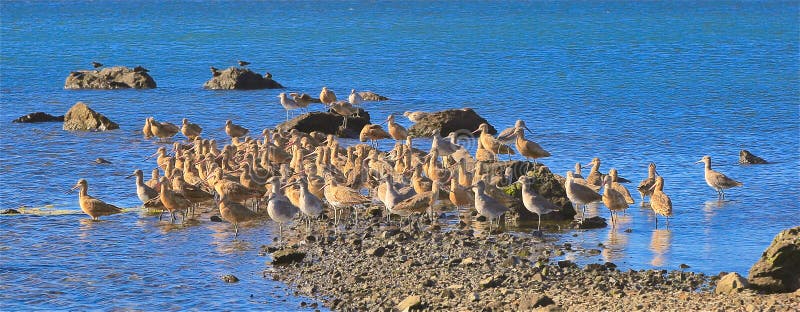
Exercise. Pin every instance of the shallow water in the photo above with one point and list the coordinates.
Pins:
(630, 83)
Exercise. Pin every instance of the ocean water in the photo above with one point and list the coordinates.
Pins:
(628, 82)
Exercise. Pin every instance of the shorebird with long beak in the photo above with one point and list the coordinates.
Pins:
(645, 187)
(93, 207)
(491, 143)
(580, 194)
(144, 192)
(508, 135)
(660, 202)
(398, 132)
(303, 100)
(234, 130)
(234, 213)
(288, 104)
(327, 96)
(309, 204)
(529, 149)
(416, 117)
(613, 199)
(163, 130)
(190, 130)
(344, 109)
(716, 180)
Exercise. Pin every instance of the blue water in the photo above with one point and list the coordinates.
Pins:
(629, 82)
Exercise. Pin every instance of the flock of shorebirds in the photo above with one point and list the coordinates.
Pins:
(312, 174)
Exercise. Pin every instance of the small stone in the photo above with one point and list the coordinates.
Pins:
(428, 283)
(467, 261)
(410, 302)
(481, 219)
(731, 282)
(287, 256)
(491, 281)
(531, 301)
(376, 252)
(230, 278)
(215, 219)
(389, 233)
(684, 266)
(565, 264)
(10, 211)
(474, 297)
(595, 222)
(628, 230)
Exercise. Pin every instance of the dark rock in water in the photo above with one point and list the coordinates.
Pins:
(747, 158)
(9, 211)
(82, 118)
(230, 278)
(39, 117)
(287, 256)
(595, 222)
(235, 78)
(546, 184)
(328, 123)
(101, 161)
(118, 77)
(466, 120)
(778, 270)
(684, 266)
(532, 301)
(731, 282)
(372, 96)
(216, 219)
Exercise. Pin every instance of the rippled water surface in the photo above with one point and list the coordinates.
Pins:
(630, 83)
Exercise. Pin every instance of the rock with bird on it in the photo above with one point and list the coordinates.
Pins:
(236, 78)
(118, 77)
(82, 118)
(328, 123)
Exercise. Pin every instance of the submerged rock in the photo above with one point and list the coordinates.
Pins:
(118, 77)
(230, 278)
(778, 270)
(328, 123)
(447, 121)
(236, 78)
(747, 158)
(731, 282)
(82, 118)
(38, 117)
(287, 256)
(372, 96)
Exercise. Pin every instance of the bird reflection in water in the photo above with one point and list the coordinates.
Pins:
(617, 241)
(710, 207)
(660, 242)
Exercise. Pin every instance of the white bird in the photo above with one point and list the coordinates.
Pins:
(356, 100)
(288, 104)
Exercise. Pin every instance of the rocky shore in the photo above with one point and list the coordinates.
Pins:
(440, 267)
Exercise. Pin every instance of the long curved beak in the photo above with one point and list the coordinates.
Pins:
(151, 156)
(72, 189)
(589, 165)
(529, 130)
(130, 175)
(699, 161)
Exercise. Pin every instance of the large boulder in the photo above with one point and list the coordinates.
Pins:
(747, 158)
(447, 121)
(236, 78)
(82, 118)
(39, 117)
(545, 183)
(730, 283)
(778, 270)
(328, 123)
(118, 77)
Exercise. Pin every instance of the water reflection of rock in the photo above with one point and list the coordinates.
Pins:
(660, 242)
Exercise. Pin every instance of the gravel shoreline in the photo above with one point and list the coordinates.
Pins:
(442, 267)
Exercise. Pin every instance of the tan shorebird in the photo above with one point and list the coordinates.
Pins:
(172, 201)
(534, 202)
(93, 207)
(508, 135)
(416, 117)
(396, 131)
(491, 143)
(163, 130)
(344, 109)
(154, 178)
(579, 194)
(595, 177)
(645, 187)
(148, 133)
(613, 199)
(373, 133)
(303, 100)
(234, 130)
(577, 174)
(340, 197)
(529, 149)
(356, 100)
(190, 130)
(486, 205)
(660, 202)
(327, 96)
(458, 194)
(234, 213)
(279, 208)
(619, 187)
(716, 180)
